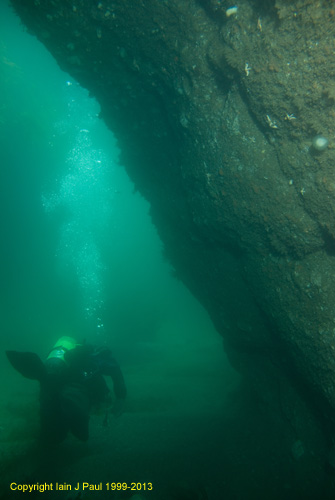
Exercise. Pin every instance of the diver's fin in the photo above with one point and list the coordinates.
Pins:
(28, 364)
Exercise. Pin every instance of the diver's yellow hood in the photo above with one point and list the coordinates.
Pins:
(62, 345)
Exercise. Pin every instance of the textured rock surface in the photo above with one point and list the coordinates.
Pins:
(215, 116)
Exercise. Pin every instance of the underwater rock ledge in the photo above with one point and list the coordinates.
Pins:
(216, 116)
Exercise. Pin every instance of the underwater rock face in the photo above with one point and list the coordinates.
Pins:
(215, 116)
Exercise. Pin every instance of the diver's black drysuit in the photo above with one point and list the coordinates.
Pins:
(70, 387)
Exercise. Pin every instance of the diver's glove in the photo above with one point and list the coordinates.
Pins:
(118, 407)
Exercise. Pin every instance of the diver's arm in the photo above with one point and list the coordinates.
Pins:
(120, 390)
(115, 372)
(108, 366)
(28, 364)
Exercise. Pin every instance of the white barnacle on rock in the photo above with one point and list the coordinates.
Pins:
(320, 143)
(231, 10)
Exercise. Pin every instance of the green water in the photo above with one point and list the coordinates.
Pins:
(80, 256)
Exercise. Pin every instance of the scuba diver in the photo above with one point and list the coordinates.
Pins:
(71, 383)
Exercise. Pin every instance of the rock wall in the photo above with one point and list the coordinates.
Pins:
(215, 115)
